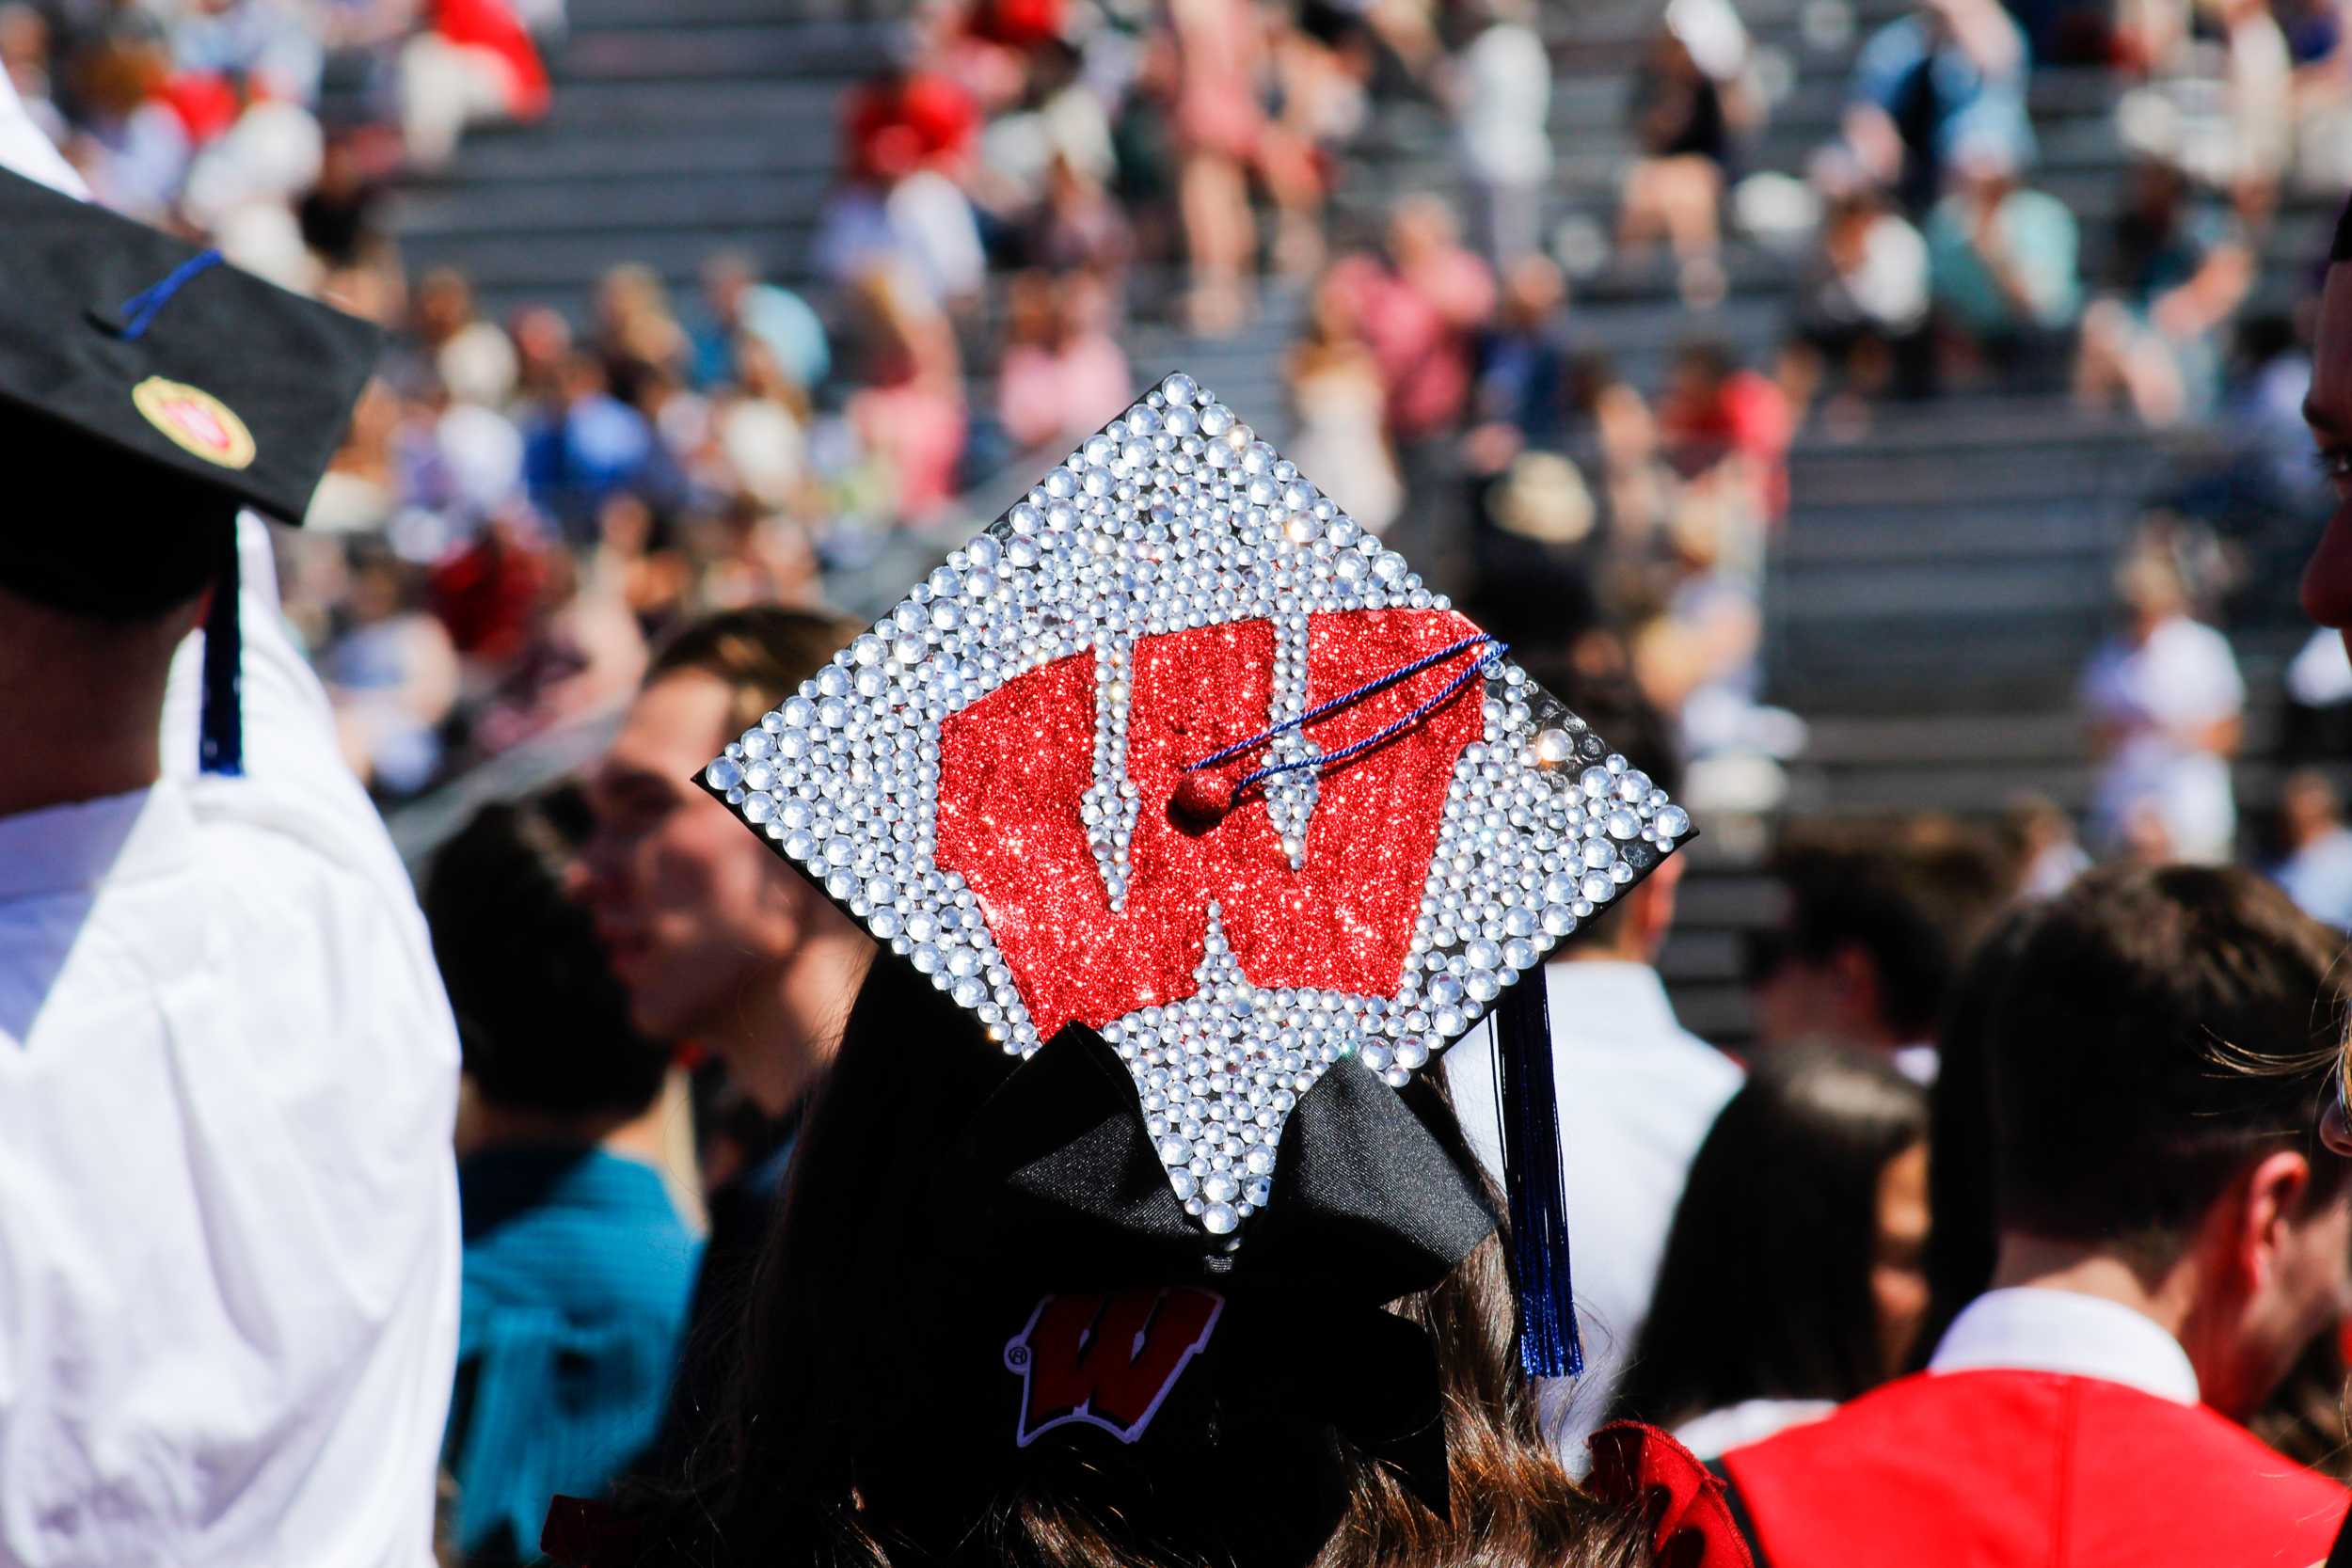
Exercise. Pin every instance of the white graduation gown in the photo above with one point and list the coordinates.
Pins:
(229, 1234)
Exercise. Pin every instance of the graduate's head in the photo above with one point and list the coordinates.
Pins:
(2160, 1049)
(696, 914)
(1195, 829)
(1876, 921)
(2327, 579)
(545, 1025)
(147, 393)
(884, 1415)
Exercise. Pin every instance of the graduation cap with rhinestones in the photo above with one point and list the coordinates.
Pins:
(1179, 753)
(149, 391)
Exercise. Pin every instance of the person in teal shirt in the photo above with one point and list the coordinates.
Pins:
(2002, 262)
(578, 1271)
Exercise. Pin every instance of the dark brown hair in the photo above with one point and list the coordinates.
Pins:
(1764, 1289)
(763, 652)
(848, 1289)
(1914, 896)
(2156, 1031)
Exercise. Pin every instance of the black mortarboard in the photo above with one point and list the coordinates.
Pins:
(147, 391)
(152, 391)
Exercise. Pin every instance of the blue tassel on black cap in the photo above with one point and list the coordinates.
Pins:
(1549, 1344)
(220, 731)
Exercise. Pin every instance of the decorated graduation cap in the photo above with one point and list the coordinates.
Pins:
(1179, 761)
(159, 390)
(1177, 757)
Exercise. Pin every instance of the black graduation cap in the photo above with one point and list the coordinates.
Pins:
(147, 391)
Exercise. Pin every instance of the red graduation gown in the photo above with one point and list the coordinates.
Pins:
(2023, 1469)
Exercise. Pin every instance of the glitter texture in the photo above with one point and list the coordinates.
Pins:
(984, 779)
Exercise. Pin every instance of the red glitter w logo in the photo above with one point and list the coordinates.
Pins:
(1107, 1360)
(1015, 767)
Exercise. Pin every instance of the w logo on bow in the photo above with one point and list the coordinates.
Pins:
(1109, 1361)
(1018, 768)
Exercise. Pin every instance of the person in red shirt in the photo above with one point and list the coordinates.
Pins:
(2172, 1235)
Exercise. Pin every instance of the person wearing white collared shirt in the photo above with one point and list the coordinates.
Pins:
(229, 1232)
(229, 1241)
(2171, 1239)
(1637, 1094)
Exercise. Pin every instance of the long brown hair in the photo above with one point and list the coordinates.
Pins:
(832, 1332)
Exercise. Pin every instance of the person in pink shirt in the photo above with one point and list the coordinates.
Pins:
(1420, 303)
(1063, 373)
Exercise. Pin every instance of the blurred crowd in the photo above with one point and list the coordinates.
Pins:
(532, 497)
(542, 518)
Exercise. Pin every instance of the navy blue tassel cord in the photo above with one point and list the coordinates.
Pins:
(1528, 1107)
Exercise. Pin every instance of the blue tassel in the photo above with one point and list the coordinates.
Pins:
(220, 731)
(1549, 1344)
(140, 310)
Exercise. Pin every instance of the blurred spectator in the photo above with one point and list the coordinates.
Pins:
(909, 410)
(2171, 1239)
(2003, 258)
(2041, 844)
(577, 1270)
(1338, 397)
(1688, 103)
(583, 446)
(762, 428)
(636, 333)
(1420, 306)
(1637, 1093)
(1719, 417)
(341, 216)
(2315, 863)
(132, 147)
(2178, 274)
(580, 655)
(909, 135)
(1793, 1278)
(717, 940)
(1216, 56)
(1862, 302)
(2257, 81)
(1951, 72)
(2165, 707)
(1522, 396)
(471, 356)
(474, 62)
(1058, 124)
(391, 677)
(1063, 375)
(1502, 92)
(1876, 923)
(736, 303)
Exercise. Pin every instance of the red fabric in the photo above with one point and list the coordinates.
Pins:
(492, 26)
(2019, 1469)
(1690, 1524)
(486, 596)
(1751, 417)
(1018, 24)
(206, 104)
(1015, 767)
